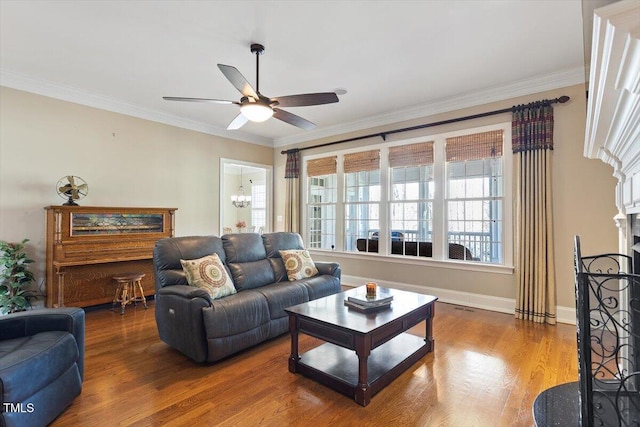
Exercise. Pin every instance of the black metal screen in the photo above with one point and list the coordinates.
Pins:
(608, 326)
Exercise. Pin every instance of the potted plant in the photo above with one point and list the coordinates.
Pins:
(241, 226)
(14, 277)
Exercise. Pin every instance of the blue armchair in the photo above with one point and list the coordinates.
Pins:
(41, 364)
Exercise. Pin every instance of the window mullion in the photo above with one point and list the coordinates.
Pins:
(340, 201)
(439, 201)
(384, 241)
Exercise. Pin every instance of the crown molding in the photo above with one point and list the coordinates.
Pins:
(530, 86)
(524, 87)
(71, 94)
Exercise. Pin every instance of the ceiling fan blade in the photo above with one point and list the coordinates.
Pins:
(292, 119)
(306, 99)
(214, 101)
(237, 79)
(238, 122)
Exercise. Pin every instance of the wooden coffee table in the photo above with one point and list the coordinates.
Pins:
(382, 347)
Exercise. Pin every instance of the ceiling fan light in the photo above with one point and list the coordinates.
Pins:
(256, 112)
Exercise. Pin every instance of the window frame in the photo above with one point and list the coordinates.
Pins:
(254, 209)
(440, 215)
(318, 205)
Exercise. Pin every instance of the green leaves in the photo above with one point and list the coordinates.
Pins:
(14, 277)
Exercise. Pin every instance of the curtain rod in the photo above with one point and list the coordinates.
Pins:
(383, 135)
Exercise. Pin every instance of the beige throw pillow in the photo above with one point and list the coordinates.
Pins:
(299, 264)
(209, 274)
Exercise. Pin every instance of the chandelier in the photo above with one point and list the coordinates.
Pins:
(240, 200)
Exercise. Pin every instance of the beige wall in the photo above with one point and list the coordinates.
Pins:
(583, 202)
(126, 162)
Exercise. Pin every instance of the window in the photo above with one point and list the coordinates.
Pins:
(443, 197)
(258, 206)
(475, 196)
(411, 198)
(362, 196)
(321, 207)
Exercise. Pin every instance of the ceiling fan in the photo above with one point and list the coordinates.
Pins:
(256, 107)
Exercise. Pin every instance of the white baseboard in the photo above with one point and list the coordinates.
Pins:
(566, 315)
(467, 299)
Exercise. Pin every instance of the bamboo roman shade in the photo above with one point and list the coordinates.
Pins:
(323, 166)
(475, 146)
(362, 161)
(411, 155)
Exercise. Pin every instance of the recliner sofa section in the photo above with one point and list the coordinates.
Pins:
(41, 364)
(206, 329)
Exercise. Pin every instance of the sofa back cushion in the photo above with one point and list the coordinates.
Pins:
(246, 258)
(276, 242)
(168, 252)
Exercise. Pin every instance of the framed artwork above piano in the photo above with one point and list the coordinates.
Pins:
(86, 246)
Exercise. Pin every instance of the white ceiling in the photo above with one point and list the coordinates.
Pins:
(396, 59)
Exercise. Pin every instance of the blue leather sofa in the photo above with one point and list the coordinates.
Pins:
(207, 329)
(41, 364)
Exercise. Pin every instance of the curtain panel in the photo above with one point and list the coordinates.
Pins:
(292, 196)
(532, 133)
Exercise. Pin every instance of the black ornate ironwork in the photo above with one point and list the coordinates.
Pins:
(608, 327)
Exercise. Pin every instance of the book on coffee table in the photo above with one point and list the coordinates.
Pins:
(367, 308)
(380, 298)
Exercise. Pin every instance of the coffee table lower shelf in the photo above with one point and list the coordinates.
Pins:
(337, 367)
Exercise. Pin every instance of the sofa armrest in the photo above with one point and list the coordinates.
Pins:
(184, 291)
(28, 323)
(330, 268)
(179, 318)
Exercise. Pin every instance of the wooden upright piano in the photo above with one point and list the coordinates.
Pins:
(87, 246)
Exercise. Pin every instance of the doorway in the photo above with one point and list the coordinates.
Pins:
(245, 197)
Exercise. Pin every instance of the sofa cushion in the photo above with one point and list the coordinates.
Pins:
(243, 247)
(47, 402)
(321, 286)
(276, 242)
(282, 295)
(209, 274)
(298, 264)
(30, 363)
(251, 275)
(247, 260)
(168, 252)
(235, 314)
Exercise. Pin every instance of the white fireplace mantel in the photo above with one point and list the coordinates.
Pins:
(613, 113)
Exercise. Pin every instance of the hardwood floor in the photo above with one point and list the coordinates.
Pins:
(486, 370)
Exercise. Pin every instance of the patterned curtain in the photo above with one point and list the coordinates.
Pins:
(532, 133)
(292, 202)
